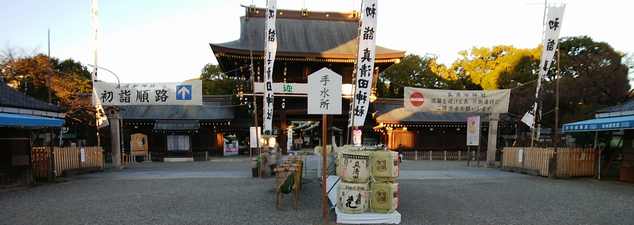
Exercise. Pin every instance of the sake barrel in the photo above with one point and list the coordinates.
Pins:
(339, 155)
(385, 165)
(353, 198)
(384, 197)
(320, 150)
(354, 166)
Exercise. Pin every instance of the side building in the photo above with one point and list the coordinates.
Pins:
(22, 119)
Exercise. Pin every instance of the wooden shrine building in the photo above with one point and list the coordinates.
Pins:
(307, 41)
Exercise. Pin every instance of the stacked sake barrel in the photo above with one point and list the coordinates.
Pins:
(353, 191)
(384, 189)
(367, 178)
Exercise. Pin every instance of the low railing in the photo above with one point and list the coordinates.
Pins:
(159, 156)
(444, 155)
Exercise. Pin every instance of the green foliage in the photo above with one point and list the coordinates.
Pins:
(412, 71)
(68, 80)
(593, 77)
(215, 82)
(487, 66)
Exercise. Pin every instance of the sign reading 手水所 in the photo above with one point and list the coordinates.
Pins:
(183, 93)
(324, 92)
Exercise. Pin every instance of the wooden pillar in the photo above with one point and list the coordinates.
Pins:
(328, 138)
(282, 135)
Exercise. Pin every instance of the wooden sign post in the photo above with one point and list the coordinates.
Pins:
(324, 97)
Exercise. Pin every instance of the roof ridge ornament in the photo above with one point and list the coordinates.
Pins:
(304, 12)
(354, 14)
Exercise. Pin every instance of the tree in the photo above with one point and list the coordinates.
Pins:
(70, 84)
(70, 78)
(215, 82)
(485, 66)
(30, 75)
(592, 77)
(412, 71)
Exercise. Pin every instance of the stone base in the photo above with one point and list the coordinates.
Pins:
(190, 159)
(81, 170)
(523, 170)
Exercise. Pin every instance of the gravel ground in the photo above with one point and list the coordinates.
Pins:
(245, 200)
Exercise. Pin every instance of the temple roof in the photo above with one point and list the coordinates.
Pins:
(207, 111)
(319, 34)
(625, 107)
(10, 97)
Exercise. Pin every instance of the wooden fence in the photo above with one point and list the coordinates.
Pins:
(65, 158)
(39, 156)
(570, 161)
(159, 156)
(443, 155)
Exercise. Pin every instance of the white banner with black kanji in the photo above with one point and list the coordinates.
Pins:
(269, 60)
(365, 62)
(552, 27)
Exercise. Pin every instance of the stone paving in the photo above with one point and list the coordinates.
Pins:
(222, 191)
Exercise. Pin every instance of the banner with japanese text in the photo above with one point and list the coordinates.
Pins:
(324, 92)
(457, 101)
(269, 60)
(102, 119)
(184, 93)
(552, 27)
(365, 62)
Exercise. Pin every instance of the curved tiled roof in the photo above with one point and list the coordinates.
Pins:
(625, 106)
(207, 111)
(325, 38)
(10, 97)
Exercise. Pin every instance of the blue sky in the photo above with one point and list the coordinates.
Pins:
(168, 41)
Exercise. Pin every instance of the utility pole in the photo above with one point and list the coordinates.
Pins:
(552, 172)
(51, 162)
(255, 102)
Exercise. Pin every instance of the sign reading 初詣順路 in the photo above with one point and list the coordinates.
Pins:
(456, 101)
(183, 93)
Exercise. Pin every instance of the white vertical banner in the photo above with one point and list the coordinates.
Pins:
(94, 13)
(473, 131)
(365, 61)
(269, 60)
(552, 27)
(289, 139)
(100, 114)
(255, 137)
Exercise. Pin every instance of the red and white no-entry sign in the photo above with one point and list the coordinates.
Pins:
(417, 99)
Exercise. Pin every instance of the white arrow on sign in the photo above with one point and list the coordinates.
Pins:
(184, 91)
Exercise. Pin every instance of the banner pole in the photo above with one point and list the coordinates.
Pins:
(468, 151)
